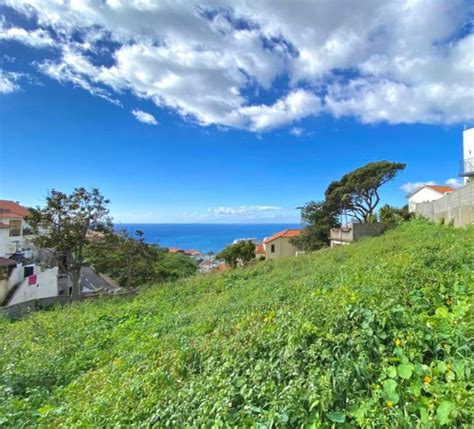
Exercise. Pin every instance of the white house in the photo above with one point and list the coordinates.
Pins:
(427, 193)
(467, 166)
(15, 234)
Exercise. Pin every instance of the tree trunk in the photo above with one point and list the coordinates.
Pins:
(75, 277)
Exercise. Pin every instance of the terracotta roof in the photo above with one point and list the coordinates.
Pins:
(174, 250)
(287, 233)
(4, 225)
(10, 209)
(192, 252)
(260, 248)
(442, 189)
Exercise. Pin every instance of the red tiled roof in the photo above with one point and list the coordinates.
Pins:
(440, 188)
(287, 233)
(174, 250)
(10, 209)
(4, 225)
(260, 248)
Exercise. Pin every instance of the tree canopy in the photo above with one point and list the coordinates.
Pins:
(63, 223)
(132, 262)
(241, 253)
(319, 218)
(357, 193)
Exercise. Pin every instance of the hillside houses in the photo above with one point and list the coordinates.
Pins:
(21, 277)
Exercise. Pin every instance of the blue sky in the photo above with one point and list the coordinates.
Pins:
(184, 113)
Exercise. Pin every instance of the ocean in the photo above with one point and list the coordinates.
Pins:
(205, 237)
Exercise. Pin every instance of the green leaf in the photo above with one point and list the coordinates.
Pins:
(405, 371)
(443, 412)
(336, 417)
(391, 371)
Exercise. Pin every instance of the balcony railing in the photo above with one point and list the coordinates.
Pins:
(467, 167)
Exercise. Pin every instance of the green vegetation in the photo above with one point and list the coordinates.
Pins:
(355, 195)
(240, 253)
(62, 224)
(132, 262)
(376, 334)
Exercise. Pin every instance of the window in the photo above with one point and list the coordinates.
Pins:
(15, 228)
(272, 248)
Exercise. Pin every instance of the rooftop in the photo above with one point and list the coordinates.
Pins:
(12, 209)
(287, 233)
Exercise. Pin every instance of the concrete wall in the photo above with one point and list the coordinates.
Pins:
(423, 195)
(355, 231)
(457, 206)
(46, 285)
(283, 248)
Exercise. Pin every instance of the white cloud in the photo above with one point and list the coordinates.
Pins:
(37, 38)
(455, 183)
(297, 132)
(242, 210)
(8, 82)
(398, 61)
(144, 117)
(413, 186)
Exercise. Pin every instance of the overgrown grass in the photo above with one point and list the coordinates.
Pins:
(377, 334)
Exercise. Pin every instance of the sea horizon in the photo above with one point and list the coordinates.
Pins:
(204, 237)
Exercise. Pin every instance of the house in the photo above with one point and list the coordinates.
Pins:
(279, 246)
(351, 232)
(19, 236)
(260, 251)
(467, 164)
(427, 193)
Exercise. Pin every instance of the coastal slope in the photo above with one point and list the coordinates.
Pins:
(375, 334)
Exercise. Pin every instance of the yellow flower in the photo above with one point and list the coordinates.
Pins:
(117, 361)
(398, 342)
(427, 379)
(389, 403)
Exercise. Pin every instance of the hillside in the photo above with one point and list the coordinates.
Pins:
(377, 334)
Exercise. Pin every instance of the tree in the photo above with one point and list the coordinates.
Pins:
(319, 217)
(390, 214)
(63, 223)
(132, 262)
(357, 193)
(241, 252)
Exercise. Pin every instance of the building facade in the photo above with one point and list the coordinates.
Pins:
(279, 246)
(19, 237)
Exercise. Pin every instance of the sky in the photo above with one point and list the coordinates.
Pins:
(229, 111)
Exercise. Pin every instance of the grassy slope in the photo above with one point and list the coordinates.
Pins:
(304, 341)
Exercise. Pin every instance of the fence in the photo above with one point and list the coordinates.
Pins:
(457, 206)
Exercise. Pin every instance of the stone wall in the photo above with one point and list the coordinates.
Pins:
(457, 206)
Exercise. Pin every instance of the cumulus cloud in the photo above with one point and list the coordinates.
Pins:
(144, 117)
(242, 210)
(398, 61)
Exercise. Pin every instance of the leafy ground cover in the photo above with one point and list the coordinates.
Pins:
(377, 334)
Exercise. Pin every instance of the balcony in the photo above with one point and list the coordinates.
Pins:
(467, 168)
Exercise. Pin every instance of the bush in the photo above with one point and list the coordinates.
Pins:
(375, 334)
